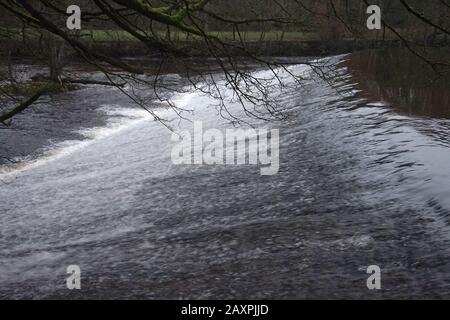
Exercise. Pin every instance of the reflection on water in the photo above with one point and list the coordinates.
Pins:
(405, 81)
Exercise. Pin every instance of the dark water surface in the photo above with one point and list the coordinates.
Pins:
(412, 85)
(359, 184)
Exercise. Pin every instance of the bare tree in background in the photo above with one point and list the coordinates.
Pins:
(175, 30)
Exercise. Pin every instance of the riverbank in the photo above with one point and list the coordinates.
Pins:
(311, 46)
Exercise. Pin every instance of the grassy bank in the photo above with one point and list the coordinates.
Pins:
(123, 36)
(119, 43)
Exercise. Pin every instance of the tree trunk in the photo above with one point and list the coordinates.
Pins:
(21, 107)
(55, 57)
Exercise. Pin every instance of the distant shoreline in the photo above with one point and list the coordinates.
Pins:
(270, 48)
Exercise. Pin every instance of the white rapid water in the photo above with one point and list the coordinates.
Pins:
(356, 186)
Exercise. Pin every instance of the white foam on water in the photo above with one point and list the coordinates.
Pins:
(119, 120)
(31, 266)
(377, 104)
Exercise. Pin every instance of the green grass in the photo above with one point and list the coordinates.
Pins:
(123, 36)
(105, 35)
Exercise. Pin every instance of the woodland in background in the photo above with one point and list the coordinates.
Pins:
(177, 30)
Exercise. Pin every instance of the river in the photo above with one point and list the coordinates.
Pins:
(361, 182)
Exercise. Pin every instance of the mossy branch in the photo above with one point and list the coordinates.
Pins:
(24, 105)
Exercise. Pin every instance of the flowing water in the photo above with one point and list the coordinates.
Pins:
(359, 184)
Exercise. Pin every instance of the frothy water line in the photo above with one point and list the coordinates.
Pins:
(119, 120)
